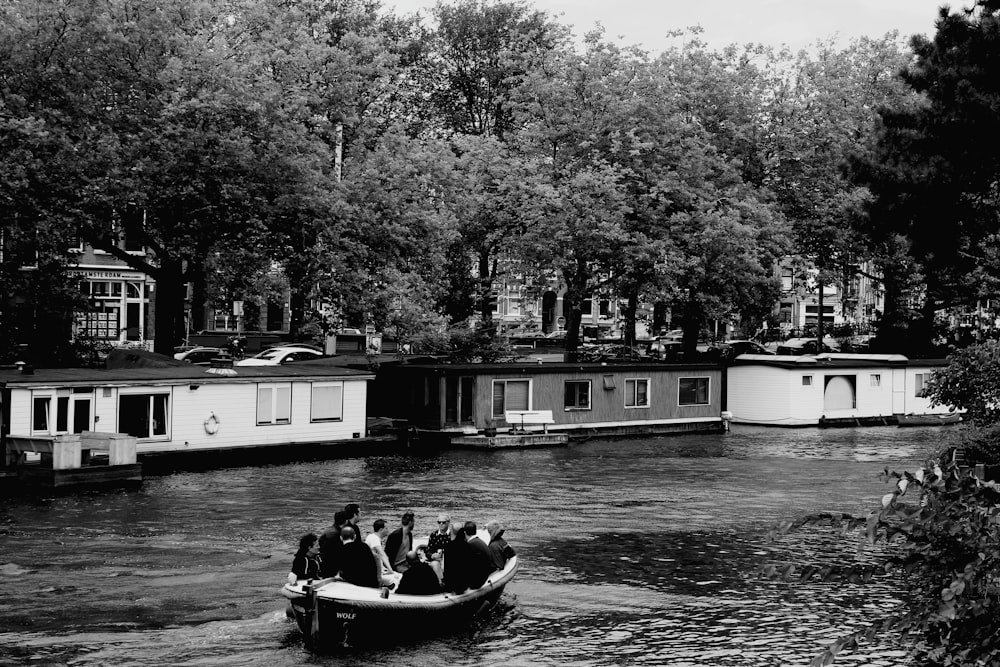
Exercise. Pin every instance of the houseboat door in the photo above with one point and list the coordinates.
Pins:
(458, 400)
(839, 394)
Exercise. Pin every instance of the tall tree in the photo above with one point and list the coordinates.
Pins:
(172, 112)
(935, 176)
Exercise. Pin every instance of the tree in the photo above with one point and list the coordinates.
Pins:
(934, 176)
(173, 112)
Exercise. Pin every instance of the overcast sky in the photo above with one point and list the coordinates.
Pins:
(796, 23)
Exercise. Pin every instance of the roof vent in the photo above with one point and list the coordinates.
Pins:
(24, 368)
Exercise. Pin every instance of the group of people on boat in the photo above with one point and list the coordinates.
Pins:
(453, 559)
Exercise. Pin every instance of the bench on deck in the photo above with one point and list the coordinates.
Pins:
(518, 418)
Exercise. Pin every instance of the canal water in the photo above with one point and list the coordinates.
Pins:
(635, 552)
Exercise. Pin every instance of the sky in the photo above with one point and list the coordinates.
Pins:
(795, 23)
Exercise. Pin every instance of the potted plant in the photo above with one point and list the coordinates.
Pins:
(490, 429)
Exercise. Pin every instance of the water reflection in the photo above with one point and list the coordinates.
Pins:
(634, 552)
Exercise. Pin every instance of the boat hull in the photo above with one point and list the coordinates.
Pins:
(334, 614)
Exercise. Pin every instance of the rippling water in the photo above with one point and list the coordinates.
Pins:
(634, 552)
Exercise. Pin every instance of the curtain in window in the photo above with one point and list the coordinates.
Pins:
(264, 403)
(327, 402)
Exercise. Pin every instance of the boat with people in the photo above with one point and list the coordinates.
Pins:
(333, 613)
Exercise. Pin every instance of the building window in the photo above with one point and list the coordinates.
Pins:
(918, 384)
(144, 415)
(637, 393)
(807, 380)
(876, 379)
(274, 403)
(692, 391)
(327, 402)
(40, 407)
(577, 395)
(511, 395)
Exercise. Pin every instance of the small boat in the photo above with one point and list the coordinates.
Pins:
(332, 612)
(928, 420)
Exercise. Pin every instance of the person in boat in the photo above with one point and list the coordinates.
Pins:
(419, 578)
(500, 551)
(437, 541)
(353, 512)
(374, 541)
(400, 542)
(462, 564)
(357, 564)
(482, 565)
(330, 545)
(307, 563)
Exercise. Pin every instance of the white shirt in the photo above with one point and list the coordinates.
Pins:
(374, 542)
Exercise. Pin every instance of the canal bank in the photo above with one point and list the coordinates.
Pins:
(632, 553)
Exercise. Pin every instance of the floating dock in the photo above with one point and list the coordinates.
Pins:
(508, 441)
(70, 462)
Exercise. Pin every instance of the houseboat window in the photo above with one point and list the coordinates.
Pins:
(637, 393)
(40, 413)
(62, 414)
(692, 391)
(807, 380)
(577, 395)
(143, 415)
(458, 393)
(918, 384)
(876, 379)
(327, 402)
(511, 395)
(274, 403)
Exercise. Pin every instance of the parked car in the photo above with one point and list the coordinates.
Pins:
(739, 347)
(282, 354)
(199, 356)
(798, 346)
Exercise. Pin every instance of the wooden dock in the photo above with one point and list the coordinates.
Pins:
(508, 441)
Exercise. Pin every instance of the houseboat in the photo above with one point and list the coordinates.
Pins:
(443, 401)
(186, 408)
(831, 389)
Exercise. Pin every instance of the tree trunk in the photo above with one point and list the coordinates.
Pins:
(691, 323)
(485, 289)
(170, 295)
(632, 305)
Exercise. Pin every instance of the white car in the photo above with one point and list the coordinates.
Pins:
(281, 354)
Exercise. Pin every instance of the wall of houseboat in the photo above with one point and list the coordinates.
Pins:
(206, 415)
(804, 391)
(457, 397)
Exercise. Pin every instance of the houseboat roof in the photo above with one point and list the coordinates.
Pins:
(186, 374)
(833, 360)
(539, 368)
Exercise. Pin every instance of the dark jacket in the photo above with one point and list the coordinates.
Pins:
(357, 565)
(305, 566)
(482, 565)
(460, 571)
(392, 544)
(419, 579)
(500, 551)
(330, 547)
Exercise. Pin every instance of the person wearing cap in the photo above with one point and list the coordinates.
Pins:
(500, 551)
(419, 578)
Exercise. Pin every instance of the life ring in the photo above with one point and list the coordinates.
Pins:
(212, 424)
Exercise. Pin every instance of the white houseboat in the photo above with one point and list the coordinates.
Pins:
(832, 389)
(188, 408)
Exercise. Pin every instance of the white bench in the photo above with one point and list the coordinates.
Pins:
(521, 417)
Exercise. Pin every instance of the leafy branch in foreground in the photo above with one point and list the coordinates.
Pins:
(944, 543)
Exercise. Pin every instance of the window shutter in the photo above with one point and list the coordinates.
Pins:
(264, 405)
(517, 395)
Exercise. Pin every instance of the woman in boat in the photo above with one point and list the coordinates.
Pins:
(307, 563)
